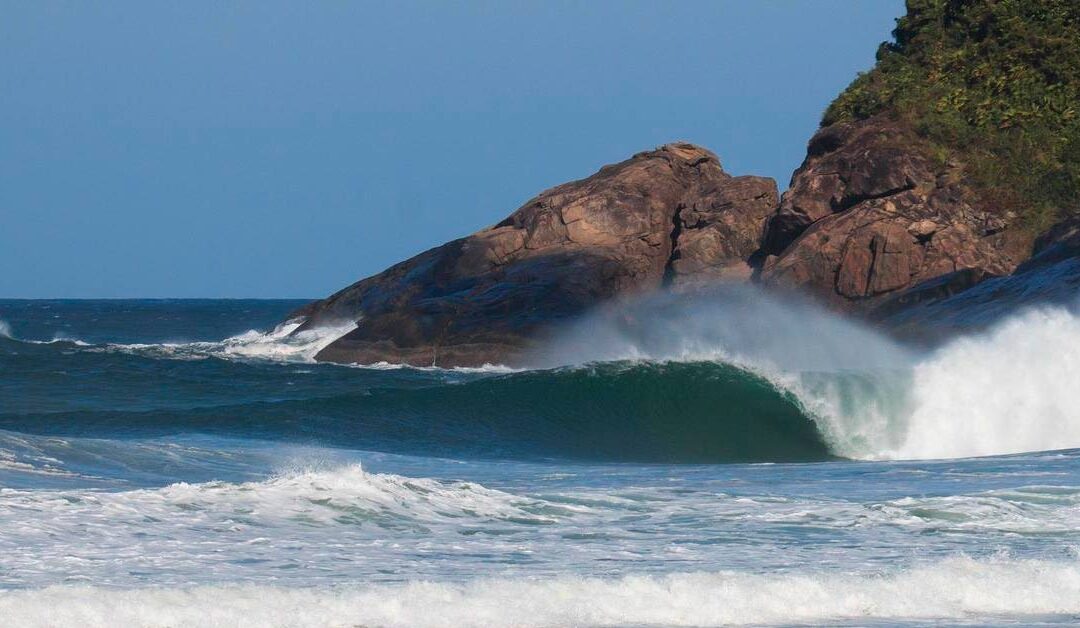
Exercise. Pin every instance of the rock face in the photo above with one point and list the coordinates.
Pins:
(670, 216)
(870, 214)
(969, 301)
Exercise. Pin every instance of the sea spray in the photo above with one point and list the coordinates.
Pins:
(284, 342)
(737, 324)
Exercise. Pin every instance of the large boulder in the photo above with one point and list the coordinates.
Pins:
(669, 216)
(871, 213)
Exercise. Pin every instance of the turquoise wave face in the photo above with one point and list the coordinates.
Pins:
(631, 411)
(671, 412)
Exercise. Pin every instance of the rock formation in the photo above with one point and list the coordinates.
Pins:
(870, 214)
(670, 216)
(937, 169)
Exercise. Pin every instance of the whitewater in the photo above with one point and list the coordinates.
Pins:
(727, 460)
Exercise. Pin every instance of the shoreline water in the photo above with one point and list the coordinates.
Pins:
(165, 480)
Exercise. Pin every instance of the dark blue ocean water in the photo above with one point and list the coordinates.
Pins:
(187, 463)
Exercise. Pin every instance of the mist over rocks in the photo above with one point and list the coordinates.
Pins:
(665, 217)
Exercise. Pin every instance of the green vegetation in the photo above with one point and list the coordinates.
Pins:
(994, 85)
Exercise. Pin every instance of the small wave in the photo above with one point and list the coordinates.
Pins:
(63, 338)
(379, 498)
(341, 495)
(954, 589)
(279, 345)
(9, 334)
(37, 465)
(349, 495)
(483, 369)
(281, 527)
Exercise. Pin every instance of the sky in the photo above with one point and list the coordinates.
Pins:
(287, 149)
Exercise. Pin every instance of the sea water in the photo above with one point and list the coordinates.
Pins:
(187, 463)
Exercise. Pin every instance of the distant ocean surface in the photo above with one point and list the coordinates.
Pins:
(187, 463)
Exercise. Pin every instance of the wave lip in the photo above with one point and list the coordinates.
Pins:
(953, 589)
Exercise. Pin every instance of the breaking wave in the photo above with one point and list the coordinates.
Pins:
(279, 344)
(740, 376)
(1007, 390)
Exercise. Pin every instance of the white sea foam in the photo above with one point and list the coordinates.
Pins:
(314, 527)
(61, 337)
(1011, 390)
(397, 366)
(271, 527)
(954, 589)
(313, 496)
(6, 332)
(284, 342)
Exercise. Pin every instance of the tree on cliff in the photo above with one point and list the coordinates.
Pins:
(992, 85)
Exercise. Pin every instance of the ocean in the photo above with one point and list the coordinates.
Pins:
(739, 461)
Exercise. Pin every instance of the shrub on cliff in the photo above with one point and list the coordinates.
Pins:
(994, 86)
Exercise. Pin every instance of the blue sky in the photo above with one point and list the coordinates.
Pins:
(272, 149)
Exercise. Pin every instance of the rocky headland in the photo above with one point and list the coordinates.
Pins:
(666, 217)
(941, 193)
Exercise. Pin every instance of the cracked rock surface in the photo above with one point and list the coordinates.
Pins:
(870, 215)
